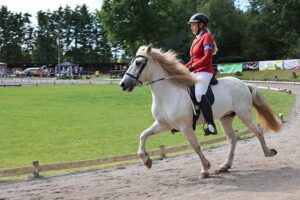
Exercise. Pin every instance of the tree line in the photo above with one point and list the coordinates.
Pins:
(75, 35)
(266, 30)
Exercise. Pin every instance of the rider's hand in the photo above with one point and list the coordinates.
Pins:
(191, 69)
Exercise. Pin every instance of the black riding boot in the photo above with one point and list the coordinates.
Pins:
(208, 116)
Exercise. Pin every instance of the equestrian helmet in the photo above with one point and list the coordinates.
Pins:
(199, 18)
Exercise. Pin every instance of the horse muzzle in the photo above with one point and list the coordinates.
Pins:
(128, 85)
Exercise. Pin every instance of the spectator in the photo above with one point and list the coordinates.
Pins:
(76, 70)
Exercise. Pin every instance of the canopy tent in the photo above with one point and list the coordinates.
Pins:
(65, 64)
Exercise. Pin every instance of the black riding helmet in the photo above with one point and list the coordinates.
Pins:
(199, 18)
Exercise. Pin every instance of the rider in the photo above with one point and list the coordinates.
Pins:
(201, 52)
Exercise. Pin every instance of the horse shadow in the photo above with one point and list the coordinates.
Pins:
(260, 180)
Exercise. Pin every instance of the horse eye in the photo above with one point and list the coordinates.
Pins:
(138, 62)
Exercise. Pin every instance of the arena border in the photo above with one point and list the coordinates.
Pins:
(35, 169)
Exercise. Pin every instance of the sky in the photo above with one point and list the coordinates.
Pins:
(33, 6)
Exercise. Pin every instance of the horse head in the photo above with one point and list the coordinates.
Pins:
(135, 75)
(152, 65)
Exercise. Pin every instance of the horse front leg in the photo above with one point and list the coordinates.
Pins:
(193, 140)
(156, 128)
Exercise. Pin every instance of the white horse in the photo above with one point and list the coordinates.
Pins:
(172, 107)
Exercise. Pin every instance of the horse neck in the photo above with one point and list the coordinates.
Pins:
(164, 89)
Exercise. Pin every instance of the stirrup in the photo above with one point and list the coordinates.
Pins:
(208, 132)
(173, 131)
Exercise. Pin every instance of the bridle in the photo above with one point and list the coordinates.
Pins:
(143, 65)
(136, 78)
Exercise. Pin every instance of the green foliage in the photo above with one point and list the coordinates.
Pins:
(80, 34)
(273, 31)
(268, 30)
(15, 36)
(77, 122)
(45, 47)
(227, 25)
(135, 23)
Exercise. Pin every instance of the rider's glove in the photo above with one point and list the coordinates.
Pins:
(191, 69)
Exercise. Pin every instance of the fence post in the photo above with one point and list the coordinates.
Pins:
(163, 151)
(36, 169)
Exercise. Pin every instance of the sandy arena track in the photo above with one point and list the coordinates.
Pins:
(252, 177)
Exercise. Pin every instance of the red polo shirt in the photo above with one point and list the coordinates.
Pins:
(201, 53)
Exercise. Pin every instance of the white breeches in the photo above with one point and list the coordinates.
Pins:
(201, 88)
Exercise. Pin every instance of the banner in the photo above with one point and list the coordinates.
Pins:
(230, 68)
(291, 64)
(250, 66)
(270, 65)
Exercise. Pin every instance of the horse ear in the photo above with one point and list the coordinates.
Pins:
(149, 48)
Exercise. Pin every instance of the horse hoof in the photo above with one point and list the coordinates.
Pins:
(274, 152)
(148, 163)
(222, 170)
(204, 175)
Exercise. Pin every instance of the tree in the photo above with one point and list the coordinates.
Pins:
(180, 37)
(45, 45)
(78, 33)
(15, 36)
(134, 22)
(227, 25)
(273, 31)
(89, 40)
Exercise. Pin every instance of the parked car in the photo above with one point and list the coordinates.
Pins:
(32, 71)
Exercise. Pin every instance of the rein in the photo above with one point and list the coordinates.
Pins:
(136, 78)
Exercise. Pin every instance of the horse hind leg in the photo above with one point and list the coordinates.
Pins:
(226, 122)
(247, 119)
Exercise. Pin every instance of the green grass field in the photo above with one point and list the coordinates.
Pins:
(76, 122)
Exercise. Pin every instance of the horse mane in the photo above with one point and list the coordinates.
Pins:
(169, 61)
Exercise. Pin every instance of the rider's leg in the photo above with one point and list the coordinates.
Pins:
(208, 115)
(200, 91)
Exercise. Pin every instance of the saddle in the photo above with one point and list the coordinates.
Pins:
(210, 96)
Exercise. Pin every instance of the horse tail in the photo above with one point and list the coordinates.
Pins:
(265, 113)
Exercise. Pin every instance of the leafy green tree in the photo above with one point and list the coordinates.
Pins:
(45, 45)
(180, 37)
(15, 36)
(86, 40)
(273, 31)
(227, 25)
(77, 33)
(134, 22)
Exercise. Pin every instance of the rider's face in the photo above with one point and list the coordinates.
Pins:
(195, 27)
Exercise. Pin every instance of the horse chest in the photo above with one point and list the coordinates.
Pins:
(172, 112)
